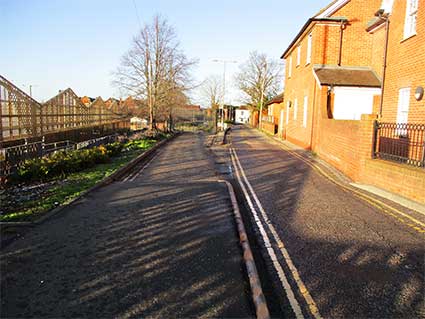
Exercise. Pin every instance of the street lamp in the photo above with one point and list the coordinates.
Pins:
(224, 86)
(30, 87)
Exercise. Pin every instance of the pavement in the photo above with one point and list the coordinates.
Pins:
(339, 253)
(162, 244)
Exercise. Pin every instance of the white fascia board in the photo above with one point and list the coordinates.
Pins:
(332, 9)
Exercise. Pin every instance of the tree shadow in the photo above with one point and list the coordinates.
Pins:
(355, 260)
(163, 246)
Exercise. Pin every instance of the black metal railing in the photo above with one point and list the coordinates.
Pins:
(400, 142)
(11, 158)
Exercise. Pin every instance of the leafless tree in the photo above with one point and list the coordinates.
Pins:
(211, 91)
(155, 67)
(259, 79)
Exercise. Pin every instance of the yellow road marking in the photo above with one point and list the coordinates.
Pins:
(295, 275)
(371, 200)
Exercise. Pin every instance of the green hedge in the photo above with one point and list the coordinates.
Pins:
(62, 163)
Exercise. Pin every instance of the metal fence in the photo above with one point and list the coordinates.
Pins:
(23, 117)
(400, 142)
(11, 158)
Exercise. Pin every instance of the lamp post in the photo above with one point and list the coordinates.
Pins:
(224, 87)
(30, 88)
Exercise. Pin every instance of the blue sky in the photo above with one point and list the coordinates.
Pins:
(55, 44)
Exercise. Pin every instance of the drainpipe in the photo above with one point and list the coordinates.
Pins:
(313, 117)
(341, 33)
(384, 67)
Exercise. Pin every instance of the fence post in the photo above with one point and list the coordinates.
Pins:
(42, 146)
(375, 137)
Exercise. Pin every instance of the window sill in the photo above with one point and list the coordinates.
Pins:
(308, 63)
(408, 37)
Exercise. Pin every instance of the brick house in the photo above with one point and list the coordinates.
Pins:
(330, 55)
(405, 70)
(333, 82)
(270, 122)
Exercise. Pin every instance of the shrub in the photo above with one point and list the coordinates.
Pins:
(62, 163)
(114, 149)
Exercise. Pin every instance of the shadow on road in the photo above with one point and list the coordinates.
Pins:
(162, 246)
(355, 261)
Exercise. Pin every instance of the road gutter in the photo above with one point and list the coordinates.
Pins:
(262, 312)
(364, 195)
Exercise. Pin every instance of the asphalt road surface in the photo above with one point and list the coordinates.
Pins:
(161, 244)
(353, 260)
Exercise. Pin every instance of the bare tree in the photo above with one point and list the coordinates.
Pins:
(155, 67)
(211, 91)
(259, 79)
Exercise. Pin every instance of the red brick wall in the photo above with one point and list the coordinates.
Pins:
(400, 179)
(268, 127)
(339, 145)
(406, 64)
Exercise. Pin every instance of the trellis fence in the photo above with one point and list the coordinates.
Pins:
(22, 117)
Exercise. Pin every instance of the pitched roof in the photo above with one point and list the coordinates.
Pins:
(346, 76)
(324, 15)
(325, 8)
(307, 24)
(277, 99)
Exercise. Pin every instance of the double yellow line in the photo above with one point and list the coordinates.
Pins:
(403, 218)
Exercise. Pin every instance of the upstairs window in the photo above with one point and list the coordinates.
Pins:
(290, 67)
(298, 55)
(309, 42)
(305, 111)
(410, 20)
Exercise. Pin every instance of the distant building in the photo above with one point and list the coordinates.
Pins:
(242, 115)
(137, 123)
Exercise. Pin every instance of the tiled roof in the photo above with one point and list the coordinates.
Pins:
(277, 99)
(346, 76)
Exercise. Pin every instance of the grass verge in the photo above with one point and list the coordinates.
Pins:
(76, 183)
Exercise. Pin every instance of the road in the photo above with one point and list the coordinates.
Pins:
(337, 256)
(160, 244)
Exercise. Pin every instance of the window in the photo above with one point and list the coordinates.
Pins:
(270, 110)
(288, 105)
(403, 105)
(410, 20)
(295, 108)
(298, 55)
(309, 42)
(305, 111)
(290, 67)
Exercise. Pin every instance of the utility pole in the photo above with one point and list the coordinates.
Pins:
(30, 87)
(224, 87)
(263, 83)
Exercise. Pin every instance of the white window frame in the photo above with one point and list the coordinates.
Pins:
(305, 111)
(403, 109)
(295, 108)
(309, 44)
(410, 19)
(287, 111)
(270, 110)
(299, 55)
(290, 67)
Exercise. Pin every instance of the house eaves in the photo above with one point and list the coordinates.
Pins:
(305, 27)
(331, 9)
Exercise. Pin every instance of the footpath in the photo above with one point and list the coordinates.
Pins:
(163, 244)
